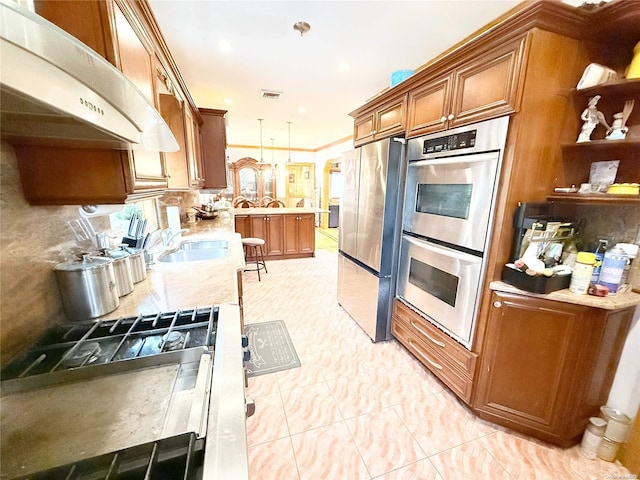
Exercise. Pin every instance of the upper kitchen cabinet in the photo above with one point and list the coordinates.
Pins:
(485, 87)
(382, 121)
(214, 146)
(171, 107)
(194, 151)
(124, 32)
(135, 59)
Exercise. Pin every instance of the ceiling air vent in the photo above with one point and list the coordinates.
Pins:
(270, 94)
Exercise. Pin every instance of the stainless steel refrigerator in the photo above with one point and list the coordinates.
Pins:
(369, 235)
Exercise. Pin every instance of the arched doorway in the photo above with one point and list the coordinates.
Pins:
(331, 192)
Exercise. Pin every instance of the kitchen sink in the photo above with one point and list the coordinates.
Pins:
(196, 250)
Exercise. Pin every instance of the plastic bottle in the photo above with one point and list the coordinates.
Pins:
(632, 252)
(592, 438)
(582, 271)
(597, 265)
(612, 269)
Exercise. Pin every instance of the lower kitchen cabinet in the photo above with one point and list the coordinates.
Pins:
(299, 233)
(443, 356)
(271, 229)
(286, 235)
(547, 366)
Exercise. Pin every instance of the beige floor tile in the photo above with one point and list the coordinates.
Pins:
(273, 461)
(401, 384)
(356, 396)
(308, 373)
(469, 461)
(439, 424)
(270, 423)
(527, 458)
(262, 385)
(309, 407)
(328, 453)
(340, 363)
(422, 470)
(383, 441)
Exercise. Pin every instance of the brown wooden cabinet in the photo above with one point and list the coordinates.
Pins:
(484, 87)
(135, 60)
(443, 356)
(286, 235)
(299, 233)
(171, 107)
(125, 33)
(271, 229)
(214, 147)
(548, 366)
(381, 122)
(252, 179)
(194, 154)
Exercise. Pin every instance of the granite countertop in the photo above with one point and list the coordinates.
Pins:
(275, 211)
(170, 286)
(610, 302)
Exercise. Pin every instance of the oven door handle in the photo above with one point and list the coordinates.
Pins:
(456, 159)
(440, 250)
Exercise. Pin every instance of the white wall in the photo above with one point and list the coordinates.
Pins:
(625, 391)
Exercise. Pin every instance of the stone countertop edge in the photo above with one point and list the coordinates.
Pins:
(275, 211)
(610, 302)
(184, 285)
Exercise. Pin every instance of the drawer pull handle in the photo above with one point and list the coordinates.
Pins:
(427, 359)
(433, 340)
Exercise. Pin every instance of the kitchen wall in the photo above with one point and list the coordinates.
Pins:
(32, 241)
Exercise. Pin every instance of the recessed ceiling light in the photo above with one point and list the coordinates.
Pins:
(301, 109)
(224, 46)
(228, 101)
(343, 66)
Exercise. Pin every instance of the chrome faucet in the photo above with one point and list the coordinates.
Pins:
(169, 235)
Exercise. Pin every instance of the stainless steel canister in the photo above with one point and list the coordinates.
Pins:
(122, 270)
(138, 264)
(88, 287)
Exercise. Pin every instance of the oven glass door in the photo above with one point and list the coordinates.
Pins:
(451, 199)
(442, 283)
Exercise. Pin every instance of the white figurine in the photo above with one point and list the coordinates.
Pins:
(619, 129)
(592, 117)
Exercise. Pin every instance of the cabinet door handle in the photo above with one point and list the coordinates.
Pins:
(443, 119)
(497, 304)
(373, 132)
(433, 340)
(427, 359)
(451, 116)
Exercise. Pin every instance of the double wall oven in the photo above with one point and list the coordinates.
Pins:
(451, 185)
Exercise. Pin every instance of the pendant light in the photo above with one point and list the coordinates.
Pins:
(272, 159)
(261, 157)
(289, 123)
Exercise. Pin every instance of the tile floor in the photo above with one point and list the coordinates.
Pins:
(359, 410)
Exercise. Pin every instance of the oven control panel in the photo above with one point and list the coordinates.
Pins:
(455, 141)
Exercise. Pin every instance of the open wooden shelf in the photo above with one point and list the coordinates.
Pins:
(595, 199)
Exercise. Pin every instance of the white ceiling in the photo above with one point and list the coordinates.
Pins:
(376, 38)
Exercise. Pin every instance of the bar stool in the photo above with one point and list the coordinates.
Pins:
(254, 246)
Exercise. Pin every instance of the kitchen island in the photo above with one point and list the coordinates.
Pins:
(287, 232)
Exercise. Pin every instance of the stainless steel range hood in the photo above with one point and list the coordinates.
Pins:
(57, 91)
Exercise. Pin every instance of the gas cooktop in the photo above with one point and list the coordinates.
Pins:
(175, 458)
(91, 343)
